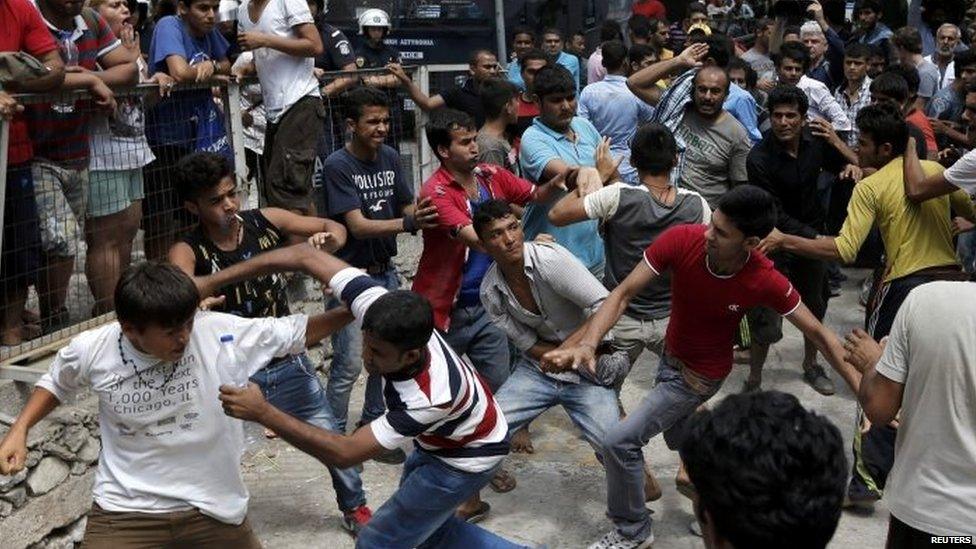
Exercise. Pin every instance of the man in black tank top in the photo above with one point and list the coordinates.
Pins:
(224, 236)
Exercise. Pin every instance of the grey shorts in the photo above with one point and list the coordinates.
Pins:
(62, 195)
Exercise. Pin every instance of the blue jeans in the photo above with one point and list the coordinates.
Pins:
(472, 333)
(290, 384)
(421, 512)
(966, 250)
(528, 392)
(347, 363)
(676, 394)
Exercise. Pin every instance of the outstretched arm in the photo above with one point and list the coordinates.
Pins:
(826, 342)
(300, 257)
(330, 448)
(919, 188)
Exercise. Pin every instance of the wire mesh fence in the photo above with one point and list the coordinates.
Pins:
(100, 191)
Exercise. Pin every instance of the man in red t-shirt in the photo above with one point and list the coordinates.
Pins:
(716, 276)
(21, 29)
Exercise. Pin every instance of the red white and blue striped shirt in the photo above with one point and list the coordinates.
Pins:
(446, 408)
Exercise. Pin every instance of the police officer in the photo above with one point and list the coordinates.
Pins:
(373, 53)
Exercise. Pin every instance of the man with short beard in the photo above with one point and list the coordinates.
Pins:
(947, 40)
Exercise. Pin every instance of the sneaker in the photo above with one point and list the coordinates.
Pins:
(817, 378)
(613, 540)
(835, 289)
(695, 528)
(353, 521)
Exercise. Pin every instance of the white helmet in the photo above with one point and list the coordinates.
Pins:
(373, 18)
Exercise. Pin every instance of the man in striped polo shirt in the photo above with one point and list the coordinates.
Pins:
(432, 396)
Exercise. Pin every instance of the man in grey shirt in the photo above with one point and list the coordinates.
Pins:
(631, 217)
(908, 43)
(540, 295)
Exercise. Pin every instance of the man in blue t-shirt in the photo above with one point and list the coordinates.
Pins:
(556, 142)
(367, 192)
(189, 48)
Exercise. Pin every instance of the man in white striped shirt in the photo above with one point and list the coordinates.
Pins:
(432, 396)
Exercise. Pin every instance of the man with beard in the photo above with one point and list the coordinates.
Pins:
(947, 39)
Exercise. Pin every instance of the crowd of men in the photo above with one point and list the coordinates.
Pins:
(680, 190)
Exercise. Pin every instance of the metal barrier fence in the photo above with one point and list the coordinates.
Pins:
(100, 193)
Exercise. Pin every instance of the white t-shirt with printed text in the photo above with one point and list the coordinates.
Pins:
(166, 443)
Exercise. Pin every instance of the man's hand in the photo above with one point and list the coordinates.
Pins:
(693, 55)
(211, 303)
(165, 81)
(962, 225)
(251, 40)
(765, 84)
(9, 106)
(772, 242)
(941, 126)
(396, 70)
(588, 181)
(816, 13)
(425, 213)
(324, 241)
(561, 360)
(13, 452)
(605, 163)
(245, 403)
(863, 352)
(545, 238)
(819, 127)
(102, 95)
(204, 70)
(851, 173)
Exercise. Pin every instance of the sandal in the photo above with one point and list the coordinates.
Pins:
(503, 481)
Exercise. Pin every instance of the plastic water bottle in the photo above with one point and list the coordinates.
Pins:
(230, 363)
(233, 371)
(69, 54)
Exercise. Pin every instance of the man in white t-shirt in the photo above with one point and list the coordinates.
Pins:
(927, 370)
(434, 399)
(169, 456)
(285, 42)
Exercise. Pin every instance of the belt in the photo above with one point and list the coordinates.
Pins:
(377, 268)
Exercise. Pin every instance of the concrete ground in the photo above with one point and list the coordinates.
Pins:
(560, 498)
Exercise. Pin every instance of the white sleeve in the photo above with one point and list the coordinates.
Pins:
(297, 13)
(834, 112)
(261, 340)
(357, 290)
(963, 173)
(71, 370)
(894, 361)
(603, 203)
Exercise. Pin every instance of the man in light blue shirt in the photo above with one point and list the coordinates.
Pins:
(523, 39)
(555, 143)
(613, 109)
(552, 43)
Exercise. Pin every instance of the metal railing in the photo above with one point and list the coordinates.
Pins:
(159, 203)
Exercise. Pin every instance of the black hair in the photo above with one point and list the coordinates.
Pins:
(883, 122)
(656, 25)
(614, 55)
(610, 30)
(785, 94)
(891, 84)
(640, 26)
(495, 95)
(750, 208)
(908, 73)
(355, 101)
(199, 172)
(858, 50)
(534, 54)
(873, 5)
(752, 78)
(728, 81)
(552, 30)
(962, 60)
(489, 211)
(877, 51)
(154, 293)
(522, 29)
(639, 52)
(444, 121)
(696, 35)
(653, 149)
(401, 318)
(791, 29)
(970, 88)
(553, 79)
(473, 58)
(697, 7)
(908, 39)
(719, 47)
(795, 52)
(767, 470)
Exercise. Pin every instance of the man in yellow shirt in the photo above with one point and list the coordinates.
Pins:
(918, 249)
